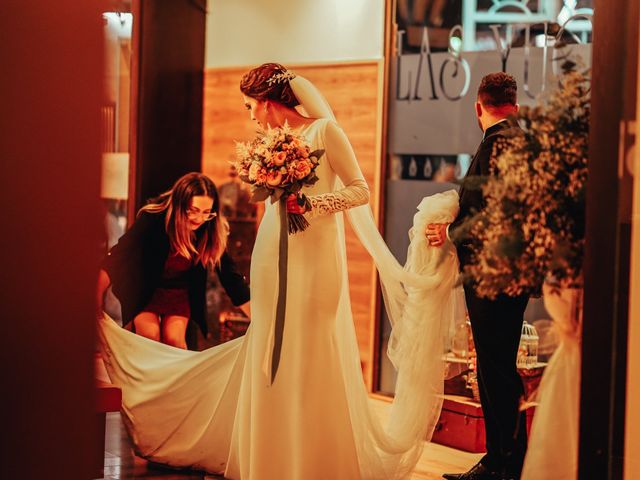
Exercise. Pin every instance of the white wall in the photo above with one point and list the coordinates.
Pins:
(115, 28)
(251, 32)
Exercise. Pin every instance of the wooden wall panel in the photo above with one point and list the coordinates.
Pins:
(353, 90)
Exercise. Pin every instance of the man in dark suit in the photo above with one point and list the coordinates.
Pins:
(496, 324)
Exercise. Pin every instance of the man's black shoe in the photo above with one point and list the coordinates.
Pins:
(451, 476)
(477, 472)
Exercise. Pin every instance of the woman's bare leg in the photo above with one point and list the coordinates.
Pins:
(148, 325)
(174, 328)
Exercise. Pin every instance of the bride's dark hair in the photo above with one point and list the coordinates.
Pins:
(255, 84)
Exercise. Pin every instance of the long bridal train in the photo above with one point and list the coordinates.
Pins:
(216, 410)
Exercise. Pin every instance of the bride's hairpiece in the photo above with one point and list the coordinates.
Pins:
(281, 77)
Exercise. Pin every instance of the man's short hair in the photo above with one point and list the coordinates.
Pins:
(498, 90)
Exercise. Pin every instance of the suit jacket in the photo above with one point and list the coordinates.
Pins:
(135, 265)
(471, 198)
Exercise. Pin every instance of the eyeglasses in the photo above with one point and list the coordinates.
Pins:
(192, 214)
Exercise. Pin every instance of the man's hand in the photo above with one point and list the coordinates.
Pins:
(293, 206)
(436, 234)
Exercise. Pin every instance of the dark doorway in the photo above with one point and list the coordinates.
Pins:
(607, 260)
(168, 69)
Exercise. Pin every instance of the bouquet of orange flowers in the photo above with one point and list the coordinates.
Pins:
(278, 163)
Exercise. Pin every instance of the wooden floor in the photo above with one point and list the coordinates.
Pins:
(121, 463)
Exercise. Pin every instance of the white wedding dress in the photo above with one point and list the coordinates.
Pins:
(216, 410)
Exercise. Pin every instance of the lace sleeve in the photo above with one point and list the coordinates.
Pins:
(343, 161)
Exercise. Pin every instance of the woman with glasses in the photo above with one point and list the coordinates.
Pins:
(158, 268)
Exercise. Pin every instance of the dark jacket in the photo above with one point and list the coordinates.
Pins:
(135, 265)
(471, 198)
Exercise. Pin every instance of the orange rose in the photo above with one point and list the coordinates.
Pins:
(261, 177)
(279, 158)
(274, 178)
(302, 170)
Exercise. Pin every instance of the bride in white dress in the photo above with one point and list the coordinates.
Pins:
(218, 411)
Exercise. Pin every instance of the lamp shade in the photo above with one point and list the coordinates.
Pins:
(115, 175)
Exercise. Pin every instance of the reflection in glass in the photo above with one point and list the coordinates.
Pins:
(115, 125)
(433, 130)
(477, 16)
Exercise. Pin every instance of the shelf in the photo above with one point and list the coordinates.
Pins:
(451, 358)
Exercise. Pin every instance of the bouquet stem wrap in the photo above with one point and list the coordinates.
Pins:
(297, 222)
(283, 256)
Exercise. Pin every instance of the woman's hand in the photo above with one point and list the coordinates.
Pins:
(436, 234)
(293, 206)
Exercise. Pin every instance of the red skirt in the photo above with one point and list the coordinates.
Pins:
(169, 301)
